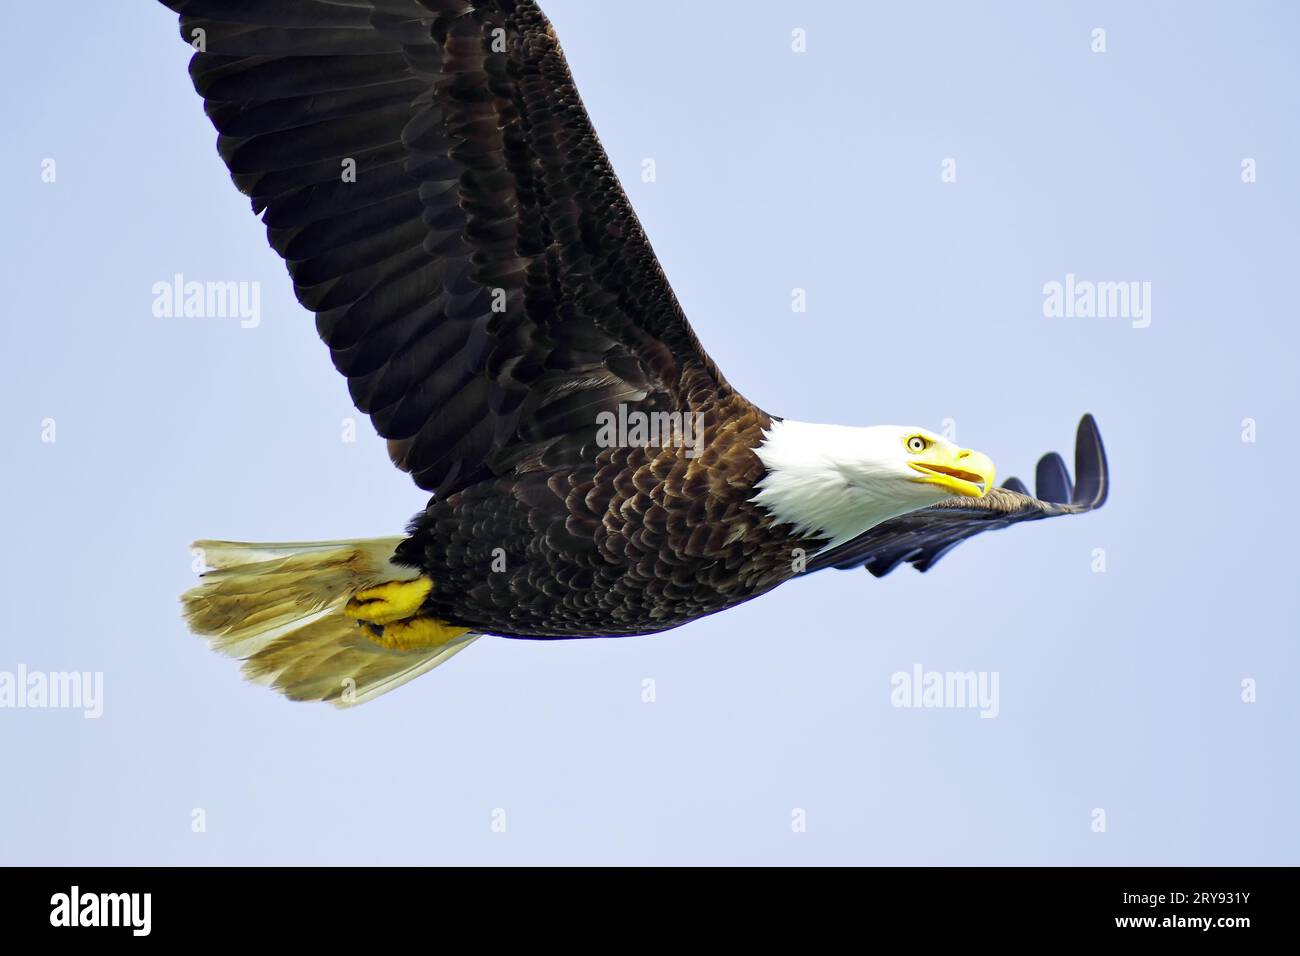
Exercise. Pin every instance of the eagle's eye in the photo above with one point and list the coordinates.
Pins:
(916, 444)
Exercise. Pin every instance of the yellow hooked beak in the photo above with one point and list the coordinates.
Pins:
(959, 470)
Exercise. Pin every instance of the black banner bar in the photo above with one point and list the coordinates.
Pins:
(355, 905)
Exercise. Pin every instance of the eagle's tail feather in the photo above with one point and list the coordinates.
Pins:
(280, 608)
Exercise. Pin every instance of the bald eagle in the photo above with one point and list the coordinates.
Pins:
(428, 172)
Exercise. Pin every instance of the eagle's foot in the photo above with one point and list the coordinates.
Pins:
(412, 634)
(389, 602)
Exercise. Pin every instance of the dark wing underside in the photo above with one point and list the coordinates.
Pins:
(923, 537)
(483, 282)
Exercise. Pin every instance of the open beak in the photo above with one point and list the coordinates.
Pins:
(958, 470)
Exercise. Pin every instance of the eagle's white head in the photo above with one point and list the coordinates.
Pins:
(836, 481)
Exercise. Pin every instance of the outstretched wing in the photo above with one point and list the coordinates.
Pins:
(923, 537)
(428, 172)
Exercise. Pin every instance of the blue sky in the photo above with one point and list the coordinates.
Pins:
(1119, 691)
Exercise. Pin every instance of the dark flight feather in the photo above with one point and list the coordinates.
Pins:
(484, 260)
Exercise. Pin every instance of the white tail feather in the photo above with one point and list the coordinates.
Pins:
(279, 608)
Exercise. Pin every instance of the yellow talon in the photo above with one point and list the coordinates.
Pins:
(388, 614)
(389, 602)
(414, 634)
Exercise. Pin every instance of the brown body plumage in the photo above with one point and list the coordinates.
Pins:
(639, 539)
